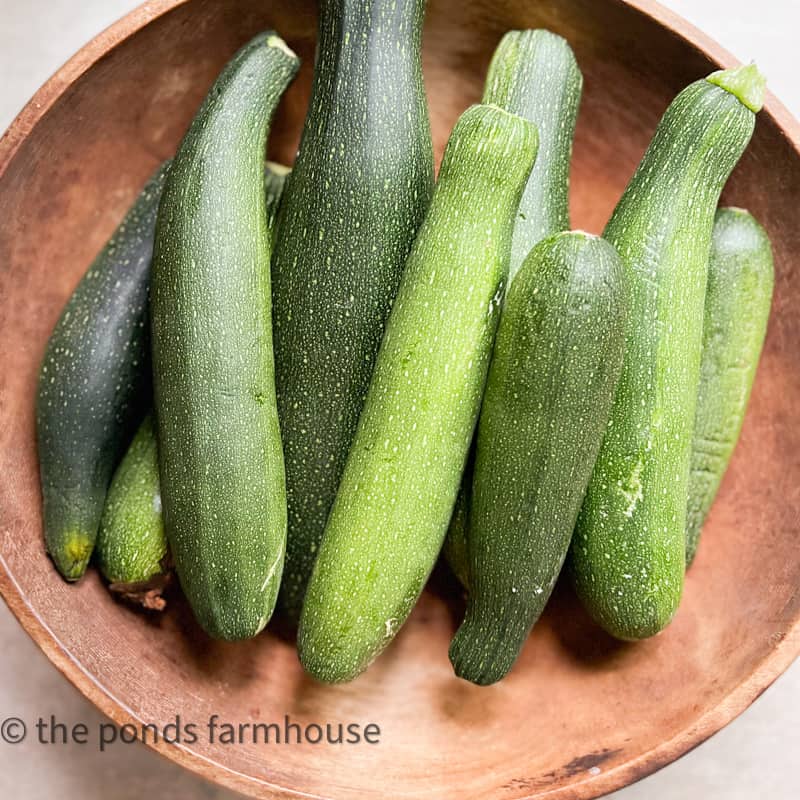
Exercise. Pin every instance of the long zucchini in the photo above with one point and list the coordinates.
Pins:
(390, 516)
(93, 390)
(628, 553)
(738, 299)
(357, 194)
(132, 550)
(131, 546)
(551, 383)
(221, 464)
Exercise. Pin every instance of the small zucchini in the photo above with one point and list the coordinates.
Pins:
(358, 192)
(551, 383)
(131, 549)
(220, 456)
(275, 177)
(628, 552)
(533, 74)
(93, 386)
(399, 486)
(738, 300)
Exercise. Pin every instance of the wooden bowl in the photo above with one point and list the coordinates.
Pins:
(580, 715)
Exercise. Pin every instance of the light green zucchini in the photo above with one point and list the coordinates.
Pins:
(628, 553)
(737, 304)
(396, 497)
(131, 548)
(551, 383)
(221, 462)
(356, 197)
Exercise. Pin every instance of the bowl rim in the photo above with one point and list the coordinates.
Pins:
(731, 706)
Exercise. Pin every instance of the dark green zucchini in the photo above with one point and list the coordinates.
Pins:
(551, 383)
(628, 553)
(390, 515)
(357, 194)
(221, 464)
(93, 387)
(737, 304)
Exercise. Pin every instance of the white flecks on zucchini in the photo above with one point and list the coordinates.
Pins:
(399, 485)
(628, 553)
(220, 456)
(94, 385)
(551, 382)
(356, 197)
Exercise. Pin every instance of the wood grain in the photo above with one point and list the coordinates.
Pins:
(580, 715)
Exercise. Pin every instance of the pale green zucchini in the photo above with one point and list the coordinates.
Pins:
(390, 515)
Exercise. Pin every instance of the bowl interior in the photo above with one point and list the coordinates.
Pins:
(580, 714)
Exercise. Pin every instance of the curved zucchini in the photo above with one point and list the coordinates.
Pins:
(533, 74)
(390, 515)
(131, 546)
(356, 197)
(628, 553)
(93, 390)
(551, 383)
(221, 464)
(738, 300)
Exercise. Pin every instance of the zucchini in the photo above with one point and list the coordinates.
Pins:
(551, 383)
(534, 74)
(131, 546)
(92, 390)
(398, 488)
(220, 458)
(628, 552)
(357, 194)
(131, 550)
(737, 304)
(275, 176)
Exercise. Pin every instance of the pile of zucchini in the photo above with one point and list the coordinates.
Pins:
(298, 388)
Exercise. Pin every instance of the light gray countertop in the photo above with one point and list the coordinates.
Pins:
(751, 758)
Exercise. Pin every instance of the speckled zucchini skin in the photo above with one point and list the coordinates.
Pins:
(399, 485)
(93, 390)
(221, 464)
(551, 383)
(131, 543)
(737, 305)
(534, 74)
(356, 197)
(628, 550)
